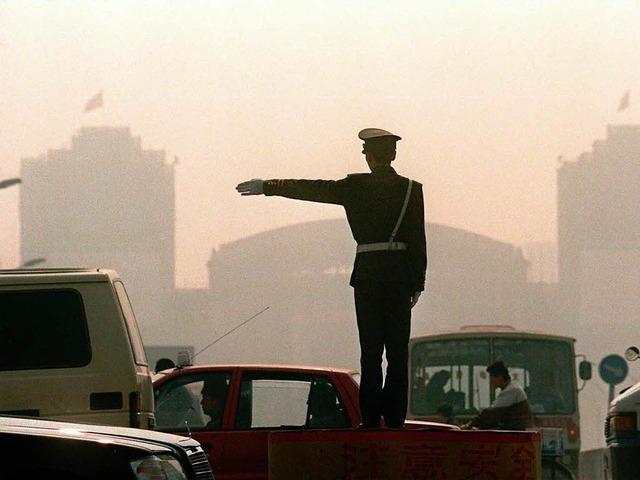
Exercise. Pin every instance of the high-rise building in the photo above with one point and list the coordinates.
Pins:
(105, 202)
(599, 230)
(542, 258)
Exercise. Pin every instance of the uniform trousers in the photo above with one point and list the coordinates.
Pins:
(383, 311)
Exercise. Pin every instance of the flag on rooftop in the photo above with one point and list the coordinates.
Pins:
(94, 102)
(624, 101)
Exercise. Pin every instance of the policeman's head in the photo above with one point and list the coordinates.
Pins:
(379, 145)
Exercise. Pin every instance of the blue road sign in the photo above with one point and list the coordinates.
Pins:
(613, 369)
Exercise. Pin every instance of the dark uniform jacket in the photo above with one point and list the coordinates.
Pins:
(373, 202)
(509, 411)
(514, 417)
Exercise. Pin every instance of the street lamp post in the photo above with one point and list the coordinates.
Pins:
(33, 262)
(9, 182)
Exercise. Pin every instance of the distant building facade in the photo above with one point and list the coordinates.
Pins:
(543, 262)
(301, 273)
(105, 202)
(599, 230)
(279, 296)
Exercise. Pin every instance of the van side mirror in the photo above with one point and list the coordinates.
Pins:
(584, 370)
(632, 354)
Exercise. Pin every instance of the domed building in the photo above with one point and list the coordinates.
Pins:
(301, 274)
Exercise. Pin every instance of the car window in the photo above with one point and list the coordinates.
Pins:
(273, 403)
(194, 401)
(289, 400)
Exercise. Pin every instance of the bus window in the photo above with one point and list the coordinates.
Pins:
(454, 371)
(545, 368)
(450, 371)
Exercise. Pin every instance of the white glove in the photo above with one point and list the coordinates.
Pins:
(414, 298)
(252, 187)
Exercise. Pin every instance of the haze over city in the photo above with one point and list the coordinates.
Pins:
(486, 95)
(489, 98)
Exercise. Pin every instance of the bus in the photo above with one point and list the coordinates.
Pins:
(450, 368)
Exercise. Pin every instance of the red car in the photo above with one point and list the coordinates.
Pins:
(231, 409)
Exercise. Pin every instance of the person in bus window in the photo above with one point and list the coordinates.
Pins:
(510, 410)
(543, 396)
(434, 390)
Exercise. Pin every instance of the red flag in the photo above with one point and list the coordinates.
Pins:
(94, 102)
(624, 101)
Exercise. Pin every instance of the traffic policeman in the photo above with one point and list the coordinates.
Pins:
(385, 212)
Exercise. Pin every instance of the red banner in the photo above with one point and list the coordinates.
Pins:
(404, 454)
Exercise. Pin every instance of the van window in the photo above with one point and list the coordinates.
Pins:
(132, 326)
(43, 329)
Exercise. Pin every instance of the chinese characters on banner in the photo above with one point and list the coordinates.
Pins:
(408, 454)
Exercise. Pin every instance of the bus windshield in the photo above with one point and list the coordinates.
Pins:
(454, 371)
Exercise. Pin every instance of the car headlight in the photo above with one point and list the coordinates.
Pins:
(158, 467)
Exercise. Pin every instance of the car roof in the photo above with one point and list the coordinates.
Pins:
(484, 331)
(30, 276)
(260, 366)
(148, 439)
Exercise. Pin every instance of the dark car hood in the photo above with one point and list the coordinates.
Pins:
(58, 428)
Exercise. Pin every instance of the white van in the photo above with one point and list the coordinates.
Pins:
(622, 429)
(70, 348)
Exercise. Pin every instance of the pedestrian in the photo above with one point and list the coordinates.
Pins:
(385, 212)
(510, 410)
(164, 364)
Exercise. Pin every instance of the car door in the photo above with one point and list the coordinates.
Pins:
(259, 401)
(271, 400)
(181, 407)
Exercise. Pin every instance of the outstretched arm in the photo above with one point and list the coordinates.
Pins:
(322, 191)
(250, 187)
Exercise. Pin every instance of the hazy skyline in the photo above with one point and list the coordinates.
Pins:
(486, 95)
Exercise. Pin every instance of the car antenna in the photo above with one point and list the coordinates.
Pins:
(230, 331)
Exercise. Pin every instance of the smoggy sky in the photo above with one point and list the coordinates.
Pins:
(486, 95)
